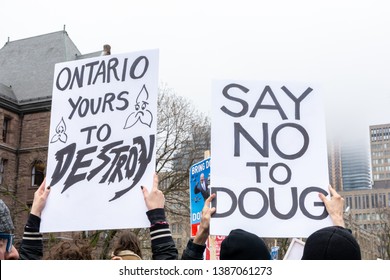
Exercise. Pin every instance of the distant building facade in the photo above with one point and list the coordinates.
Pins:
(355, 164)
(367, 208)
(367, 215)
(335, 166)
(380, 155)
(349, 165)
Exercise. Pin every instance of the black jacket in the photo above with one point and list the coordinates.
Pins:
(193, 251)
(163, 246)
(31, 247)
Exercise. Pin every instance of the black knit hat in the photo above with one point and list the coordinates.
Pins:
(331, 243)
(242, 245)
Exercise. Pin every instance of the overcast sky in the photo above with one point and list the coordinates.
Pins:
(343, 46)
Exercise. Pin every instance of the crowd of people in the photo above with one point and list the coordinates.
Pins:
(330, 243)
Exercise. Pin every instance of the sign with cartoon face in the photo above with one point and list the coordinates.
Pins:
(102, 142)
(269, 158)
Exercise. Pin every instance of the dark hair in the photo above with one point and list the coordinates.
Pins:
(71, 250)
(128, 241)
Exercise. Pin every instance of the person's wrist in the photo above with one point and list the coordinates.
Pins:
(156, 215)
(338, 221)
(201, 236)
(155, 207)
(35, 212)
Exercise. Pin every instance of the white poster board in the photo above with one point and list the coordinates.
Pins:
(295, 250)
(269, 160)
(102, 142)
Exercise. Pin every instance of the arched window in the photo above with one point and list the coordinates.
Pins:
(37, 173)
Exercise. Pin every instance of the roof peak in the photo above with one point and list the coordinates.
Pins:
(31, 37)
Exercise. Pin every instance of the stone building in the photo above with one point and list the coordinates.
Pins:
(380, 154)
(368, 216)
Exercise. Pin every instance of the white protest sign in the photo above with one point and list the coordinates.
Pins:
(102, 142)
(269, 158)
(295, 250)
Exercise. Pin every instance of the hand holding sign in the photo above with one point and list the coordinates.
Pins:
(97, 160)
(269, 158)
(204, 227)
(40, 197)
(155, 198)
(334, 206)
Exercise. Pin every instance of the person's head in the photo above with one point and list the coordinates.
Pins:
(243, 245)
(202, 177)
(7, 249)
(78, 249)
(331, 243)
(127, 247)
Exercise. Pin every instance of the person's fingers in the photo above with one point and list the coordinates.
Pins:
(145, 191)
(155, 182)
(212, 210)
(46, 192)
(206, 206)
(209, 199)
(332, 191)
(43, 185)
(323, 197)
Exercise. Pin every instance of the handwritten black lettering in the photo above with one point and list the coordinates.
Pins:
(118, 162)
(101, 71)
(109, 102)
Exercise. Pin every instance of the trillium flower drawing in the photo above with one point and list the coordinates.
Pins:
(141, 114)
(60, 134)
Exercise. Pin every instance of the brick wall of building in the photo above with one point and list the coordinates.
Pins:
(20, 155)
(8, 153)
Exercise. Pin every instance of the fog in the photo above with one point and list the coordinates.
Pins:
(342, 47)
